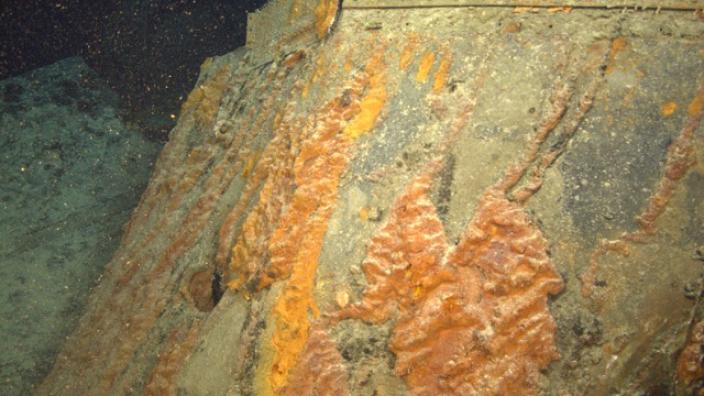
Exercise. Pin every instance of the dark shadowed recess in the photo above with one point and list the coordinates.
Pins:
(149, 51)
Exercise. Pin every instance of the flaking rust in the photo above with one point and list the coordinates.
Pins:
(473, 318)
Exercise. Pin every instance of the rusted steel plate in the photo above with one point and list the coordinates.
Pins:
(633, 4)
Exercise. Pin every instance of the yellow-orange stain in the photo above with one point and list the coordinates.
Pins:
(513, 27)
(325, 14)
(617, 46)
(347, 67)
(320, 70)
(364, 214)
(407, 53)
(296, 305)
(524, 10)
(441, 75)
(372, 102)
(342, 298)
(206, 64)
(426, 63)
(696, 105)
(668, 109)
(294, 11)
(249, 163)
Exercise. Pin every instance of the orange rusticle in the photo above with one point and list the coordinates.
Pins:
(426, 63)
(251, 247)
(323, 157)
(473, 318)
(320, 370)
(668, 109)
(372, 102)
(690, 364)
(316, 169)
(408, 52)
(443, 72)
(617, 46)
(296, 244)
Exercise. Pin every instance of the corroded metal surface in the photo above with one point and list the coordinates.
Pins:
(427, 201)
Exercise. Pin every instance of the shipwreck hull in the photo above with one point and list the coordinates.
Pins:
(428, 199)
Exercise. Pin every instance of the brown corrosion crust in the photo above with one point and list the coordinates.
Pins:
(320, 370)
(690, 365)
(472, 318)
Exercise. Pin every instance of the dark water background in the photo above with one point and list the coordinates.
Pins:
(147, 50)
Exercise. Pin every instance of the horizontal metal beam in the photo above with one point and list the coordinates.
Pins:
(679, 5)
